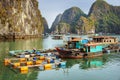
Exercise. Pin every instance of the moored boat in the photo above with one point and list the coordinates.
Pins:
(79, 48)
(73, 54)
(57, 37)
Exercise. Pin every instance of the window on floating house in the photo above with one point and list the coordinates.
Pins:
(107, 40)
(104, 40)
(110, 40)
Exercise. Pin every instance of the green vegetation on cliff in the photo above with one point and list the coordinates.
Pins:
(62, 28)
(107, 17)
(20, 18)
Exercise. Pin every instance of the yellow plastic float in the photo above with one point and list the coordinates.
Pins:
(29, 63)
(42, 58)
(48, 66)
(23, 72)
(24, 69)
(22, 59)
(6, 62)
(15, 65)
(38, 61)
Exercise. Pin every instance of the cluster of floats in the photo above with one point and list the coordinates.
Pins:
(43, 60)
(75, 48)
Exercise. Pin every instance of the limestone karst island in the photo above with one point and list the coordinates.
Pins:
(59, 39)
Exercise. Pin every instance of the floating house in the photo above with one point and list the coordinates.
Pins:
(85, 46)
(95, 45)
(80, 48)
(105, 39)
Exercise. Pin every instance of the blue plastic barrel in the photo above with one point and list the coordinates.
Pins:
(84, 41)
(63, 64)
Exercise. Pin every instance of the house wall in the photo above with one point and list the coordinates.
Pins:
(95, 48)
(108, 40)
(79, 45)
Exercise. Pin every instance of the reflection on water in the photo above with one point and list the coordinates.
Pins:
(7, 73)
(86, 69)
(87, 63)
(22, 44)
(76, 69)
(92, 63)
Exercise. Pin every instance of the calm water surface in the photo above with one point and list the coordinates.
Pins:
(106, 67)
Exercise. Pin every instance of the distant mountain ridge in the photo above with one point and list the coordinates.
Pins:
(67, 18)
(102, 17)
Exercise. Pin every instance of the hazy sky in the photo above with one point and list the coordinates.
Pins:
(51, 8)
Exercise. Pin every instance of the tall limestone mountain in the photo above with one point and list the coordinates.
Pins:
(106, 17)
(55, 23)
(102, 17)
(46, 28)
(69, 17)
(20, 19)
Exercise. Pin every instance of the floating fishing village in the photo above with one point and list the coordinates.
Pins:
(74, 48)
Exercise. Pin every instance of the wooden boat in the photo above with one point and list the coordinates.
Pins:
(86, 48)
(71, 54)
(57, 37)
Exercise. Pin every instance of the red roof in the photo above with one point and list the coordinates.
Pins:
(76, 39)
(92, 44)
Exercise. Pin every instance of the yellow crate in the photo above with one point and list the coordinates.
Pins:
(22, 59)
(6, 62)
(42, 58)
(29, 63)
(23, 72)
(48, 66)
(15, 65)
(38, 61)
(24, 68)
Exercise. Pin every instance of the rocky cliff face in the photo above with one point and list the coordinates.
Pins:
(20, 19)
(107, 19)
(102, 17)
(46, 28)
(62, 28)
